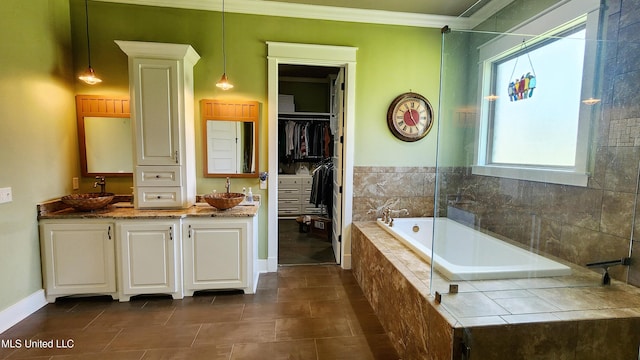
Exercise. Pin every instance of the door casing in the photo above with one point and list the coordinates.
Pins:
(313, 55)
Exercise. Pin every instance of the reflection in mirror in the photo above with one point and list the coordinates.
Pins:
(104, 135)
(230, 147)
(108, 145)
(230, 138)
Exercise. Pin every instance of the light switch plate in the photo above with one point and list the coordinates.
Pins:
(75, 183)
(5, 195)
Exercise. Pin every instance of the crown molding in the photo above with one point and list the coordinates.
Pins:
(485, 12)
(318, 12)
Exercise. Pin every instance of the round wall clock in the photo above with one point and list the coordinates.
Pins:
(410, 116)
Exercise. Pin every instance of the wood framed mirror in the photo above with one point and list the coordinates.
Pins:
(104, 135)
(230, 137)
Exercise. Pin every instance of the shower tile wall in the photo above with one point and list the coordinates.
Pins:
(578, 224)
(376, 187)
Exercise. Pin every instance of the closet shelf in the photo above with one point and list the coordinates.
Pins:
(304, 116)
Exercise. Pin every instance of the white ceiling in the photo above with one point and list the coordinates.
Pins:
(458, 14)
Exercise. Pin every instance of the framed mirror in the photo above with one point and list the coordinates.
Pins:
(104, 135)
(230, 138)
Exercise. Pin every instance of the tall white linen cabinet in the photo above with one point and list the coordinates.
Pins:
(162, 111)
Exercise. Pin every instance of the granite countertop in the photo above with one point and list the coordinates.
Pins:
(121, 210)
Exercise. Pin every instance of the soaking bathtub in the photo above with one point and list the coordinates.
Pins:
(462, 253)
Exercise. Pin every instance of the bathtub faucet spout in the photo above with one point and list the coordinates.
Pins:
(397, 213)
(386, 215)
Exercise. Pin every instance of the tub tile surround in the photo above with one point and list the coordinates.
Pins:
(568, 317)
(377, 187)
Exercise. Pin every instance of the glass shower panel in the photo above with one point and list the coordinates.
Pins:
(538, 152)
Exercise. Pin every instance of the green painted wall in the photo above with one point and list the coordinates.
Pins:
(37, 132)
(390, 60)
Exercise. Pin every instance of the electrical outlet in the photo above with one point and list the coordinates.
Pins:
(5, 195)
(76, 183)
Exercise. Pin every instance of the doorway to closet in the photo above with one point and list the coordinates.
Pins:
(309, 160)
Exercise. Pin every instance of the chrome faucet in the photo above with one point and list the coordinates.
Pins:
(386, 215)
(100, 181)
(228, 185)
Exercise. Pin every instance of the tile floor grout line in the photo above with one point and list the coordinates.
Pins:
(173, 311)
(93, 320)
(233, 347)
(315, 343)
(112, 339)
(195, 337)
(144, 353)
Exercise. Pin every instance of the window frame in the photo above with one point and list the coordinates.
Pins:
(558, 20)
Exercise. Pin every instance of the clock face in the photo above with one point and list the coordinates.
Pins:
(410, 117)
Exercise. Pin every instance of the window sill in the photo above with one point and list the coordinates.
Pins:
(563, 177)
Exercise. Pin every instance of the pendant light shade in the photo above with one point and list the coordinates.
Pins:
(224, 83)
(89, 75)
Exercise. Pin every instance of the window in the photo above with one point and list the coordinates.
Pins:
(539, 132)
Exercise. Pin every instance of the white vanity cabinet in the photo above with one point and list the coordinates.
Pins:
(78, 257)
(220, 253)
(162, 111)
(149, 253)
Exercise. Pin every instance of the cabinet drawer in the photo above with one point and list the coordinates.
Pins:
(155, 197)
(311, 209)
(284, 201)
(283, 191)
(158, 175)
(289, 210)
(290, 181)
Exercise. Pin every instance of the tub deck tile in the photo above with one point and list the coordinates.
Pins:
(513, 318)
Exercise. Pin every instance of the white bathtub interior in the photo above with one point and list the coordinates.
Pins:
(463, 253)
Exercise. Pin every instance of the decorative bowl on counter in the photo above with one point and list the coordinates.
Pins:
(88, 201)
(223, 201)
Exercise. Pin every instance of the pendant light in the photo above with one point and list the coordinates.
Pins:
(224, 83)
(89, 75)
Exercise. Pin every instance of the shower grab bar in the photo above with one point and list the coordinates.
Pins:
(604, 265)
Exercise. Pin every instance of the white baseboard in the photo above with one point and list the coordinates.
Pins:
(261, 266)
(346, 261)
(20, 310)
(272, 264)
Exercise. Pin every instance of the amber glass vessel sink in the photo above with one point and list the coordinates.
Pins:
(88, 201)
(223, 201)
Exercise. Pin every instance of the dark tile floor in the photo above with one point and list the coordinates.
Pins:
(300, 312)
(295, 247)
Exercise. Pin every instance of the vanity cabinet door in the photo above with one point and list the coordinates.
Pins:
(216, 254)
(78, 258)
(155, 86)
(149, 261)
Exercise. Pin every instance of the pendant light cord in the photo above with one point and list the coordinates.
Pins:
(86, 17)
(224, 53)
